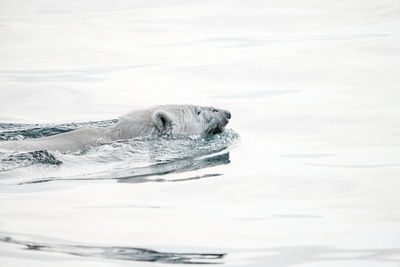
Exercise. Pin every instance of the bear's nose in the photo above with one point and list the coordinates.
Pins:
(227, 114)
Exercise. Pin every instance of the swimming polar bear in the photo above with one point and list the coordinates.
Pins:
(164, 119)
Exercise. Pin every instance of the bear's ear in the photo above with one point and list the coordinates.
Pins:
(162, 121)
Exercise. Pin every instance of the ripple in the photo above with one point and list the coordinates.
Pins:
(18, 160)
(120, 252)
(14, 131)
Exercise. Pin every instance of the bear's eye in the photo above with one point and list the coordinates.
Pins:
(198, 112)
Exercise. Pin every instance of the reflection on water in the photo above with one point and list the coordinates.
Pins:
(177, 166)
(144, 174)
(120, 253)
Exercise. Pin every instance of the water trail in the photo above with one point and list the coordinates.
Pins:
(120, 253)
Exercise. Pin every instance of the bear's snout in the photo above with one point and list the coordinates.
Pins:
(224, 113)
(227, 114)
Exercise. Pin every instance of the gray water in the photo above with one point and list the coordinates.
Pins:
(307, 173)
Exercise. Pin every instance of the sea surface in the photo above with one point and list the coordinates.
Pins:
(306, 174)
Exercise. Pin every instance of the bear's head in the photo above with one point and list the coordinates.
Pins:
(189, 119)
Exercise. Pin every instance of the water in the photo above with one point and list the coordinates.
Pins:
(307, 173)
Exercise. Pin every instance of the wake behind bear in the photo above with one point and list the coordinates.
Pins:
(158, 120)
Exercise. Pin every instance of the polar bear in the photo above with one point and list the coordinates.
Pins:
(163, 119)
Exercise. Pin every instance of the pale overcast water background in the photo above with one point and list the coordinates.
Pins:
(308, 173)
